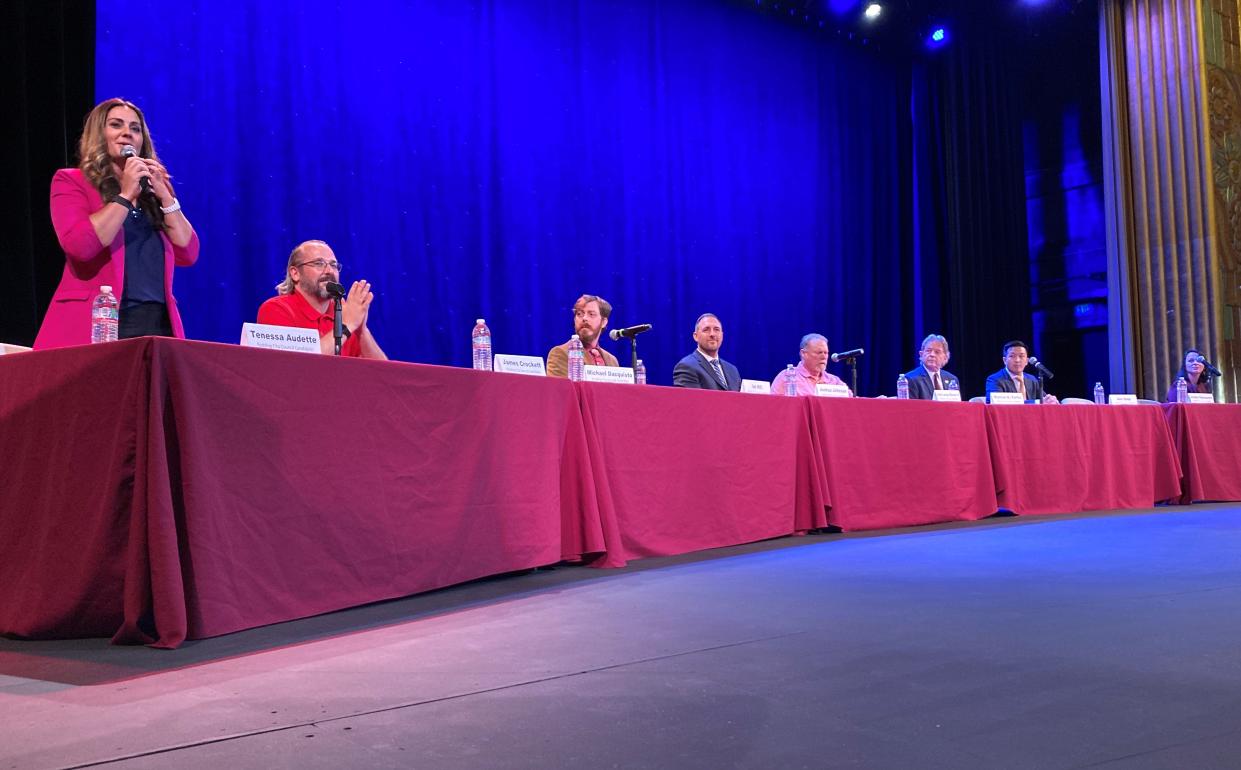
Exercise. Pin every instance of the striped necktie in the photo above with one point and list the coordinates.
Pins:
(719, 373)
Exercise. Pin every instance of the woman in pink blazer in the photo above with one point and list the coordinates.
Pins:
(120, 224)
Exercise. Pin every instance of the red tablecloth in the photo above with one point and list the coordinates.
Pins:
(890, 463)
(156, 490)
(174, 489)
(1208, 439)
(688, 469)
(1081, 457)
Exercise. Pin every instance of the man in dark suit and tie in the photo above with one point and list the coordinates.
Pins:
(1013, 379)
(931, 376)
(704, 368)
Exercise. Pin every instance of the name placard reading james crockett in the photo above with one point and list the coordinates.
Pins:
(504, 362)
(280, 338)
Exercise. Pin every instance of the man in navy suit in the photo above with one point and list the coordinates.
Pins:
(1013, 379)
(704, 368)
(930, 375)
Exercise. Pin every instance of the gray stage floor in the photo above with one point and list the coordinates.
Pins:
(1110, 640)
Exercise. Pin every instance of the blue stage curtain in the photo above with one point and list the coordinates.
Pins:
(498, 159)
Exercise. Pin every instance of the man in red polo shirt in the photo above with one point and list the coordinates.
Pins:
(304, 303)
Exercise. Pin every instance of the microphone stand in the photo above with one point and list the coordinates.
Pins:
(633, 342)
(338, 328)
(852, 362)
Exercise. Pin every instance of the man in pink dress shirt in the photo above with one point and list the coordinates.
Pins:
(811, 372)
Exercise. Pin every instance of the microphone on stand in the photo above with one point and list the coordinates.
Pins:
(1209, 367)
(337, 293)
(128, 151)
(1043, 370)
(837, 357)
(630, 332)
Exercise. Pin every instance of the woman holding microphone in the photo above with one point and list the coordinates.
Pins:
(120, 224)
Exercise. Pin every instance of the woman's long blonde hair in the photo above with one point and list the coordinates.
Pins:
(96, 163)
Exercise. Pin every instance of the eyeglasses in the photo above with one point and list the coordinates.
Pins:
(320, 264)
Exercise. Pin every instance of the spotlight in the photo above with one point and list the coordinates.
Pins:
(872, 12)
(938, 37)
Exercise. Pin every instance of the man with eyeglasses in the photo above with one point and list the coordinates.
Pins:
(590, 318)
(304, 303)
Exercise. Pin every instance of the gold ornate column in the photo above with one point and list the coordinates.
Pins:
(1162, 185)
(1222, 45)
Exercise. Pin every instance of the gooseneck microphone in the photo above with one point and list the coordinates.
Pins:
(1209, 367)
(1043, 370)
(337, 293)
(629, 332)
(128, 151)
(848, 354)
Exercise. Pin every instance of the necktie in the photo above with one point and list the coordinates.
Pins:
(938, 384)
(1020, 382)
(596, 357)
(719, 373)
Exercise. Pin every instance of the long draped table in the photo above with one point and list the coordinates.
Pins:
(159, 490)
(1081, 457)
(1208, 439)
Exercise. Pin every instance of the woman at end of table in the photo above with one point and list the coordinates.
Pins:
(120, 225)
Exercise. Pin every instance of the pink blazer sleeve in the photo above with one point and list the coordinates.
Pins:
(72, 206)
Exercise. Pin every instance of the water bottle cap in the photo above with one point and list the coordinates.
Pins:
(105, 289)
(574, 337)
(480, 321)
(639, 362)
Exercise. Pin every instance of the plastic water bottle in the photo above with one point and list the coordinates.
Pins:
(577, 359)
(480, 341)
(790, 381)
(1098, 393)
(902, 386)
(105, 316)
(639, 373)
(1182, 390)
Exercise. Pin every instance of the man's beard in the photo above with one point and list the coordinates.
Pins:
(316, 288)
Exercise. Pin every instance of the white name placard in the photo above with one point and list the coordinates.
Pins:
(1201, 398)
(947, 395)
(592, 373)
(503, 362)
(1003, 397)
(1126, 399)
(280, 338)
(756, 386)
(830, 390)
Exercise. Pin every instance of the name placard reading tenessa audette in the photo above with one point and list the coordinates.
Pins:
(947, 394)
(1125, 399)
(831, 390)
(592, 373)
(510, 364)
(1004, 397)
(1201, 398)
(756, 386)
(280, 338)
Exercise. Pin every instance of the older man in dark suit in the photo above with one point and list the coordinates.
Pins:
(704, 368)
(930, 375)
(1013, 379)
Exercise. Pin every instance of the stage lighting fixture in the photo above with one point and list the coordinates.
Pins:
(937, 37)
(872, 12)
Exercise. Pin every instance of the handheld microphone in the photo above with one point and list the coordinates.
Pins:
(128, 151)
(630, 332)
(1042, 369)
(1214, 372)
(334, 289)
(848, 354)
